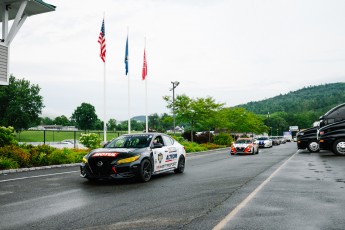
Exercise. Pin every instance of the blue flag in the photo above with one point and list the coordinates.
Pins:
(126, 56)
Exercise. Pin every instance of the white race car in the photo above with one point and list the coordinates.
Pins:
(265, 142)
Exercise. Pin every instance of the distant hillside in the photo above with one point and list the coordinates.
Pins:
(313, 98)
(301, 107)
(139, 118)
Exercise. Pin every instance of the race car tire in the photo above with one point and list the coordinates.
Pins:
(145, 171)
(339, 147)
(181, 165)
(313, 147)
(257, 151)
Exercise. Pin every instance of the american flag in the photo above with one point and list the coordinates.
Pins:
(101, 41)
(144, 66)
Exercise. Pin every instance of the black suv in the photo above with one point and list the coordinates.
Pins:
(331, 134)
(307, 139)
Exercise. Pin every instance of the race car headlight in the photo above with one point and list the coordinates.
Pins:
(84, 159)
(128, 160)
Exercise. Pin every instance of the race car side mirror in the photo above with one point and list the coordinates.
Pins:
(157, 145)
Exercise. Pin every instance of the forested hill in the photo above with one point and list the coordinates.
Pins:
(312, 100)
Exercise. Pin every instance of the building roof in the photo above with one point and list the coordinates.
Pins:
(33, 7)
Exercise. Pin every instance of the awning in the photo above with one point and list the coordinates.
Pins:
(33, 7)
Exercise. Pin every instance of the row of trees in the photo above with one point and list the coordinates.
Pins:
(21, 106)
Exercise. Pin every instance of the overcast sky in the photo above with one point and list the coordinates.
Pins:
(234, 51)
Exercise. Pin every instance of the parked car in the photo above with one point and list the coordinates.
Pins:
(264, 142)
(134, 155)
(244, 146)
(307, 139)
(331, 134)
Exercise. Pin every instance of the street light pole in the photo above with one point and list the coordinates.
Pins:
(175, 84)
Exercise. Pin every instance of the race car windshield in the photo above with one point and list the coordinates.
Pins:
(262, 138)
(131, 141)
(243, 141)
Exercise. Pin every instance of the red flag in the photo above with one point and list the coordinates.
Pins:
(101, 41)
(144, 66)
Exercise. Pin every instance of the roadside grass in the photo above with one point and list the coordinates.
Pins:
(56, 136)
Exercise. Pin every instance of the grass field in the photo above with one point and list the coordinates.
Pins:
(56, 136)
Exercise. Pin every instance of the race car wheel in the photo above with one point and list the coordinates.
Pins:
(181, 165)
(145, 171)
(257, 151)
(339, 147)
(313, 147)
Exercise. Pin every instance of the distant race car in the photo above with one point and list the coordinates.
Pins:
(244, 146)
(265, 142)
(134, 155)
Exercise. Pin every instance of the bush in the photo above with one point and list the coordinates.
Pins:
(192, 147)
(90, 140)
(211, 146)
(15, 153)
(7, 136)
(223, 139)
(6, 163)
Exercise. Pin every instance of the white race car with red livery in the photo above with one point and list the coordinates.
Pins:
(244, 146)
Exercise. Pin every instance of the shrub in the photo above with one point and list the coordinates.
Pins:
(192, 147)
(90, 140)
(211, 146)
(6, 163)
(223, 139)
(15, 153)
(7, 136)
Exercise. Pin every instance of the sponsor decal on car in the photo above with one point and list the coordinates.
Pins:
(171, 157)
(160, 157)
(105, 154)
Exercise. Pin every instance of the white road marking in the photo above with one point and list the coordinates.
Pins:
(233, 213)
(29, 177)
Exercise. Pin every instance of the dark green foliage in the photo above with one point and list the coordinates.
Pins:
(85, 117)
(223, 139)
(301, 107)
(7, 136)
(20, 104)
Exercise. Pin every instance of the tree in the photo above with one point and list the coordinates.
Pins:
(61, 120)
(20, 104)
(85, 116)
(195, 112)
(112, 124)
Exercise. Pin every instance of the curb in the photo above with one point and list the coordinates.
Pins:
(7, 171)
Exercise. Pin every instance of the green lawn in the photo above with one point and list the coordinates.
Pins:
(56, 136)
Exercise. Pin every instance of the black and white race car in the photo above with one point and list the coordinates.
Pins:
(134, 155)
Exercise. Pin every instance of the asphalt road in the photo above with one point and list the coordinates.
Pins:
(280, 188)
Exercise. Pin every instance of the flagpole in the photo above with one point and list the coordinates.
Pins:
(104, 96)
(104, 120)
(129, 99)
(147, 123)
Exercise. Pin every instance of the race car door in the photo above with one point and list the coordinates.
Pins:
(163, 158)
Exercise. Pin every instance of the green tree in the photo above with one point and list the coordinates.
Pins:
(20, 104)
(194, 112)
(112, 124)
(46, 121)
(62, 120)
(85, 116)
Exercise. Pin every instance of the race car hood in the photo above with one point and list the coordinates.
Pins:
(240, 145)
(115, 152)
